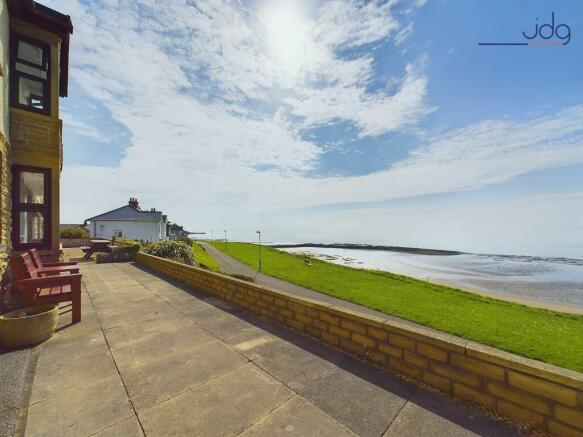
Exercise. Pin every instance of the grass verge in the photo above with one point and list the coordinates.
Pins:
(548, 336)
(203, 258)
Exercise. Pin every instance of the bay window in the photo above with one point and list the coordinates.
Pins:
(30, 81)
(31, 208)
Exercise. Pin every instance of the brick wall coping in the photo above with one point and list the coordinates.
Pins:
(539, 394)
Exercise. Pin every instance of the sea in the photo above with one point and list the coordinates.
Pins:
(555, 283)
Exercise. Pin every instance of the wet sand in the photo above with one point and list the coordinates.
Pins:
(550, 283)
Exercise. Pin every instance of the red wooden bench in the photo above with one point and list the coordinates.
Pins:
(36, 288)
(52, 268)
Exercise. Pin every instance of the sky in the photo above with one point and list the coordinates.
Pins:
(364, 121)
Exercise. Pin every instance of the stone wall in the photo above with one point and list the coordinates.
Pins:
(5, 207)
(536, 394)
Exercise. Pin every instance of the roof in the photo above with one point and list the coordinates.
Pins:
(129, 213)
(53, 21)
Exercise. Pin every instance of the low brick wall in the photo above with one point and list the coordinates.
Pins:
(534, 393)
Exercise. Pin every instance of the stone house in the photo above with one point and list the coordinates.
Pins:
(129, 221)
(34, 57)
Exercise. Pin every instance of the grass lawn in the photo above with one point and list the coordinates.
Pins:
(544, 335)
(202, 257)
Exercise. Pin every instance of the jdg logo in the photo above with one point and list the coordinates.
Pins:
(542, 35)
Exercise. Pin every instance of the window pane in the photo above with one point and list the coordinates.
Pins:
(31, 70)
(32, 227)
(31, 93)
(32, 187)
(28, 52)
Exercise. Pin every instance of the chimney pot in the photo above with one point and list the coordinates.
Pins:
(134, 203)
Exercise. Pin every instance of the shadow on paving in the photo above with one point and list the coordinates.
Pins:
(360, 396)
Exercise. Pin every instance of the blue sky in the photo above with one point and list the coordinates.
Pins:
(380, 122)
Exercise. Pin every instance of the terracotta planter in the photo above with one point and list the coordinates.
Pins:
(28, 325)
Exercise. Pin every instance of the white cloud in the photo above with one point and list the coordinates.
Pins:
(207, 99)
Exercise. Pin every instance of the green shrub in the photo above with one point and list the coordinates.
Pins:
(74, 232)
(185, 240)
(174, 250)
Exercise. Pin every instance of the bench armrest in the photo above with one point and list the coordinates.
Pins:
(49, 281)
(62, 264)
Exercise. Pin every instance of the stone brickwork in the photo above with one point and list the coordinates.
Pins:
(5, 205)
(537, 394)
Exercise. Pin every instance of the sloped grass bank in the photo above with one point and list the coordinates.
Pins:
(548, 336)
(205, 259)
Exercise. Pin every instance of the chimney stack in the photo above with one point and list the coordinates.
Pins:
(134, 203)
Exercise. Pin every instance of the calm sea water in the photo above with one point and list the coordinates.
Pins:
(551, 280)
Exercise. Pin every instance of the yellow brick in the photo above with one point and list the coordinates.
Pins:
(436, 381)
(333, 320)
(304, 319)
(402, 341)
(519, 397)
(265, 297)
(432, 352)
(391, 350)
(377, 357)
(295, 324)
(280, 302)
(312, 312)
(456, 374)
(312, 331)
(473, 395)
(544, 388)
(320, 325)
(330, 338)
(298, 308)
(377, 333)
(285, 312)
(353, 347)
(339, 331)
(480, 367)
(416, 360)
(515, 412)
(562, 430)
(569, 415)
(363, 340)
(353, 326)
(405, 368)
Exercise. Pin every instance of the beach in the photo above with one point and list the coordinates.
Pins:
(552, 283)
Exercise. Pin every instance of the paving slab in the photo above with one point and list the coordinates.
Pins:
(80, 412)
(290, 364)
(151, 348)
(56, 377)
(224, 406)
(159, 380)
(431, 414)
(129, 427)
(125, 335)
(365, 406)
(297, 417)
(120, 316)
(226, 327)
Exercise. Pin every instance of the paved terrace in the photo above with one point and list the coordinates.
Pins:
(153, 357)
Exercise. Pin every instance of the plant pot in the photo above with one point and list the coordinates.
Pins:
(29, 325)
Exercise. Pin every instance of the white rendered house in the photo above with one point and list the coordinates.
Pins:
(129, 222)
